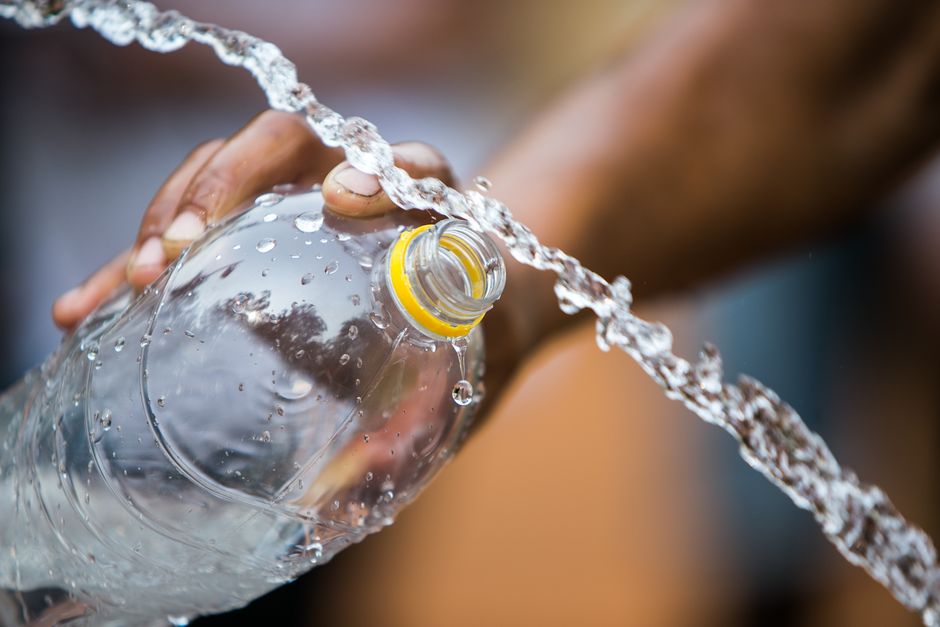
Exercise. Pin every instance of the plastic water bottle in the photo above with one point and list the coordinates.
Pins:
(291, 382)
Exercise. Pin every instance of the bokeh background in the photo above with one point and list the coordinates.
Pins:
(588, 498)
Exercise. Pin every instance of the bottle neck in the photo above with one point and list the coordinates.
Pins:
(444, 277)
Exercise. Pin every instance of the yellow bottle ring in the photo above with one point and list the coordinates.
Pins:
(405, 294)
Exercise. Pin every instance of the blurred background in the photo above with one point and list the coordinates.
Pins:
(588, 498)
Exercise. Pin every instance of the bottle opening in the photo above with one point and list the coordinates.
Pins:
(445, 277)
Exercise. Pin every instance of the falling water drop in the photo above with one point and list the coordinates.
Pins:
(308, 222)
(266, 245)
(462, 392)
(483, 183)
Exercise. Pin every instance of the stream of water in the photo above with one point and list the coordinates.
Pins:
(857, 517)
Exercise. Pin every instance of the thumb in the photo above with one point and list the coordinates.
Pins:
(350, 192)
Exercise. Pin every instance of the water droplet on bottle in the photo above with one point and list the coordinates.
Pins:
(378, 316)
(271, 217)
(106, 420)
(369, 476)
(343, 237)
(334, 506)
(365, 438)
(343, 359)
(266, 245)
(306, 279)
(161, 402)
(145, 340)
(331, 267)
(483, 183)
(353, 332)
(268, 200)
(178, 621)
(92, 353)
(279, 409)
(189, 334)
(349, 278)
(355, 300)
(265, 436)
(119, 344)
(241, 387)
(462, 392)
(308, 222)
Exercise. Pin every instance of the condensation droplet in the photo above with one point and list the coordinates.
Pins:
(119, 344)
(308, 222)
(268, 200)
(353, 332)
(266, 245)
(378, 316)
(265, 436)
(161, 402)
(271, 217)
(106, 420)
(369, 476)
(343, 359)
(334, 506)
(331, 267)
(306, 279)
(462, 392)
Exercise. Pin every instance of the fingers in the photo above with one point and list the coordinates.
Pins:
(350, 192)
(72, 307)
(274, 148)
(147, 259)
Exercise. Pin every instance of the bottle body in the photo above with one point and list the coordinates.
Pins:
(263, 405)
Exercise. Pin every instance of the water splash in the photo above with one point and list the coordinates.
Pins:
(858, 518)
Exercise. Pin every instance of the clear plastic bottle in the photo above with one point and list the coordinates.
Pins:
(279, 393)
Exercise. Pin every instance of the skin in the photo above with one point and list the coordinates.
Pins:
(740, 130)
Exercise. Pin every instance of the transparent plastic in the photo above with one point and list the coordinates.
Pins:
(261, 406)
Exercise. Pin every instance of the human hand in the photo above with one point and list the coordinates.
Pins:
(220, 176)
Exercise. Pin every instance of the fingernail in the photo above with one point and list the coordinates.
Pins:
(149, 254)
(357, 182)
(185, 228)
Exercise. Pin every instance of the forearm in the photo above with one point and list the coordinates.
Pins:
(742, 128)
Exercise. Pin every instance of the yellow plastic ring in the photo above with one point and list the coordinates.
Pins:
(405, 293)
